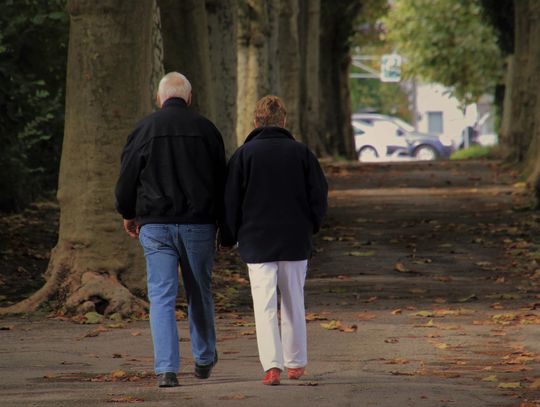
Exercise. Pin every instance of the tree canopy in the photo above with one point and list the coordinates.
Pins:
(448, 42)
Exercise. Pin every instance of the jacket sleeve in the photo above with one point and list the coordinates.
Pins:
(220, 172)
(126, 186)
(317, 189)
(234, 196)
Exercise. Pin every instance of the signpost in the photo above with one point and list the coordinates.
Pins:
(390, 68)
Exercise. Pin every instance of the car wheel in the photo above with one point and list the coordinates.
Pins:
(425, 153)
(367, 154)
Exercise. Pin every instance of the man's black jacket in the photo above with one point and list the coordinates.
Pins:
(275, 197)
(173, 168)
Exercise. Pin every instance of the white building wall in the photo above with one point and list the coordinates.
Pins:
(435, 98)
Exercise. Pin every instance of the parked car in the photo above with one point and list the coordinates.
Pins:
(376, 141)
(394, 132)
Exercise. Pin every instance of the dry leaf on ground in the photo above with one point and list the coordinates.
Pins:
(125, 399)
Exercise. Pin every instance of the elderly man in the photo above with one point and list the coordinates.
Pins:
(275, 199)
(170, 194)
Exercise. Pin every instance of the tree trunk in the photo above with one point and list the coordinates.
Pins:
(337, 26)
(523, 97)
(532, 155)
(222, 22)
(186, 48)
(112, 64)
(289, 63)
(504, 131)
(309, 43)
(257, 70)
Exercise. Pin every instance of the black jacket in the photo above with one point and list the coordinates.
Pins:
(275, 197)
(173, 168)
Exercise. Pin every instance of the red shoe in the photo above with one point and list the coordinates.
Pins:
(295, 373)
(271, 378)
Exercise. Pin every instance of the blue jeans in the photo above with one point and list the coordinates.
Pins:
(192, 246)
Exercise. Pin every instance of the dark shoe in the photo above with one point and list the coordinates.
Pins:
(167, 379)
(203, 371)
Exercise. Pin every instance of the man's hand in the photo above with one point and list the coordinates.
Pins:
(131, 228)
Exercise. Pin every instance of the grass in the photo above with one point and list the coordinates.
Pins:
(474, 152)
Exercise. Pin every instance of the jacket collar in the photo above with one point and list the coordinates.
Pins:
(174, 101)
(268, 132)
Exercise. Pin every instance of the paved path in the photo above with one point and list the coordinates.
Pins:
(428, 267)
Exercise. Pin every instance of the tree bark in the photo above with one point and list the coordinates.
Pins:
(523, 98)
(222, 23)
(257, 48)
(290, 63)
(113, 61)
(532, 152)
(337, 24)
(309, 40)
(186, 48)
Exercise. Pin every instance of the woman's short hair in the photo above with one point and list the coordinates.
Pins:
(270, 111)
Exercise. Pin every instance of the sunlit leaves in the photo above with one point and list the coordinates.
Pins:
(446, 42)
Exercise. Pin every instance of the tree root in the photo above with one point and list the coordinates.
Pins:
(80, 292)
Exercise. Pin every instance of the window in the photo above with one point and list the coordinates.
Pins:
(435, 122)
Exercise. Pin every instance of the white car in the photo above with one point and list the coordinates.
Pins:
(379, 140)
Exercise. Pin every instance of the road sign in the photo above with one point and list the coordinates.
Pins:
(390, 68)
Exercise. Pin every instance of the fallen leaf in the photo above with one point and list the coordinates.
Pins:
(312, 316)
(331, 325)
(180, 315)
(7, 328)
(311, 383)
(492, 378)
(328, 238)
(426, 314)
(371, 299)
(535, 385)
(248, 333)
(365, 316)
(509, 385)
(125, 399)
(117, 325)
(396, 311)
(135, 333)
(398, 361)
(392, 340)
(349, 329)
(472, 297)
(118, 374)
(361, 254)
(440, 345)
(400, 267)
(93, 318)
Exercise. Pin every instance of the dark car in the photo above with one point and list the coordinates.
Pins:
(422, 146)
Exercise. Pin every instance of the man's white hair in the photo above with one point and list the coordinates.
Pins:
(174, 84)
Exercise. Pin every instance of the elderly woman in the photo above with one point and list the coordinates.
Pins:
(275, 200)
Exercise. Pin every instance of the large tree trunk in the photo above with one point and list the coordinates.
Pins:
(309, 43)
(257, 70)
(290, 63)
(222, 21)
(532, 155)
(112, 63)
(523, 91)
(337, 25)
(186, 48)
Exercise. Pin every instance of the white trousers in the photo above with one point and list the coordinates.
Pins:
(289, 349)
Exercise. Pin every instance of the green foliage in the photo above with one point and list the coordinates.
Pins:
(33, 52)
(447, 41)
(474, 152)
(372, 94)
